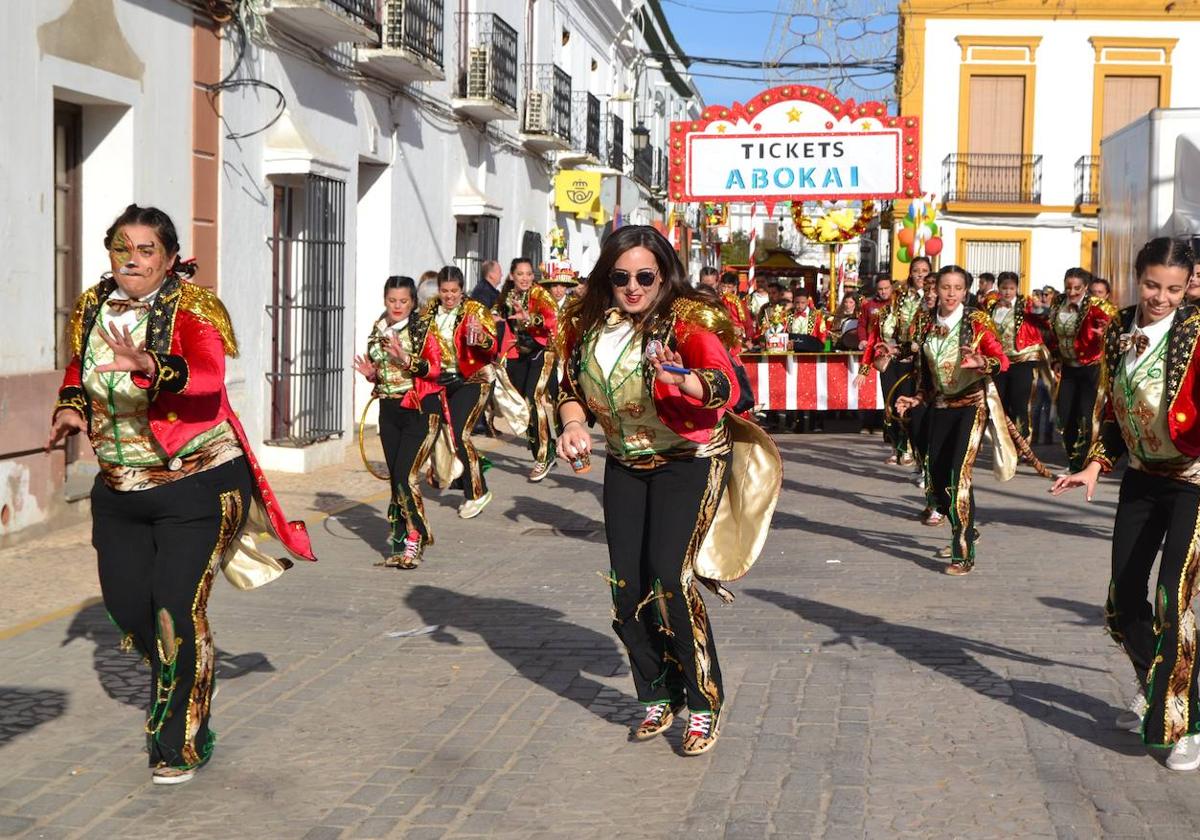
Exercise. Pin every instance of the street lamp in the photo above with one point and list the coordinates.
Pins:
(640, 137)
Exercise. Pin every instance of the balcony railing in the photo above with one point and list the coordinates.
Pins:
(616, 143)
(416, 26)
(992, 178)
(548, 104)
(586, 128)
(644, 162)
(328, 22)
(1087, 180)
(487, 79)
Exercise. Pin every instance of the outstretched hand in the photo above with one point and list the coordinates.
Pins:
(1086, 478)
(128, 357)
(366, 367)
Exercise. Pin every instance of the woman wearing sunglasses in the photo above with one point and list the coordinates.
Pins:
(647, 359)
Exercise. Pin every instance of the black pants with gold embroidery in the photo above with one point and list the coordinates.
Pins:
(897, 380)
(1076, 402)
(1160, 640)
(466, 400)
(1015, 388)
(158, 550)
(655, 520)
(529, 375)
(954, 436)
(407, 435)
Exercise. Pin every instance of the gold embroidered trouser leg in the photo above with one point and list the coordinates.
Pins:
(158, 550)
(531, 375)
(1160, 640)
(407, 435)
(954, 438)
(467, 400)
(655, 521)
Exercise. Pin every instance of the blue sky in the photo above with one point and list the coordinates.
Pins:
(733, 34)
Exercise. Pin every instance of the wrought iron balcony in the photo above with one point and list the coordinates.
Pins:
(644, 163)
(546, 122)
(1087, 181)
(411, 48)
(487, 75)
(586, 127)
(327, 22)
(992, 178)
(615, 138)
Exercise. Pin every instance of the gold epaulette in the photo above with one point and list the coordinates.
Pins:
(482, 315)
(205, 305)
(981, 318)
(705, 316)
(539, 294)
(1107, 307)
(75, 324)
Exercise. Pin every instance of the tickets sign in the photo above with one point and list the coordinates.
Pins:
(795, 143)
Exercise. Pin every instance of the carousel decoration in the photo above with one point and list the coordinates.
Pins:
(716, 213)
(841, 223)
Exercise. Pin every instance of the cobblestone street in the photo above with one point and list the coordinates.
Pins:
(486, 695)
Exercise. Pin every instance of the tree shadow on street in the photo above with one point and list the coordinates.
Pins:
(24, 708)
(123, 676)
(538, 642)
(1085, 717)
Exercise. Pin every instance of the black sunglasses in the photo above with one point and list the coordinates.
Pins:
(644, 276)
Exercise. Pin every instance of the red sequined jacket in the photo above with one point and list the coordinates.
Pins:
(702, 335)
(1026, 332)
(1181, 390)
(1089, 337)
(188, 334)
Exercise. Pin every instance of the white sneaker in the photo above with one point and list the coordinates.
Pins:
(171, 776)
(472, 508)
(1131, 718)
(1185, 755)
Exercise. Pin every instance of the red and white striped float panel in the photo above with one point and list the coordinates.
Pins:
(811, 382)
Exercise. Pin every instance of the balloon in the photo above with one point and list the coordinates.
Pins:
(902, 255)
(905, 237)
(934, 246)
(922, 234)
(933, 228)
(908, 223)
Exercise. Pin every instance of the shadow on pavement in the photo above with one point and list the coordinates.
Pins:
(538, 642)
(24, 708)
(1089, 615)
(889, 543)
(360, 519)
(1085, 717)
(123, 676)
(555, 520)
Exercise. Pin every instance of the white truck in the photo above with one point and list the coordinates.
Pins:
(1149, 186)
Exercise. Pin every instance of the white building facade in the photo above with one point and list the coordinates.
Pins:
(1014, 97)
(306, 150)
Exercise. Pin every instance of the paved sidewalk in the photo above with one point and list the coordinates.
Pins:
(485, 694)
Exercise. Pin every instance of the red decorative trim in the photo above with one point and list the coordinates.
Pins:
(908, 174)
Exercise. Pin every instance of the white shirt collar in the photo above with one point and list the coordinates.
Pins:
(399, 325)
(120, 294)
(951, 321)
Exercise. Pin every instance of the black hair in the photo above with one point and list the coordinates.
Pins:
(881, 278)
(776, 282)
(1103, 282)
(164, 228)
(968, 280)
(928, 263)
(1167, 252)
(400, 281)
(451, 274)
(517, 261)
(1006, 276)
(987, 275)
(1078, 273)
(728, 277)
(709, 271)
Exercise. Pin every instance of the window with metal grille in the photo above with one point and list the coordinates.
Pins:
(477, 240)
(531, 248)
(307, 308)
(68, 158)
(982, 255)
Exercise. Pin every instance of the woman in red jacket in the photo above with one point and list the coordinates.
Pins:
(1022, 342)
(647, 358)
(531, 316)
(958, 351)
(1151, 372)
(404, 361)
(178, 488)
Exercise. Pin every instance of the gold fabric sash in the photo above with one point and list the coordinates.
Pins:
(244, 565)
(1004, 451)
(743, 517)
(510, 404)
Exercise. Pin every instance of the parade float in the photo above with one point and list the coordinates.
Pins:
(833, 161)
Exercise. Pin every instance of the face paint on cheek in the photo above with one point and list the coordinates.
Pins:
(121, 249)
